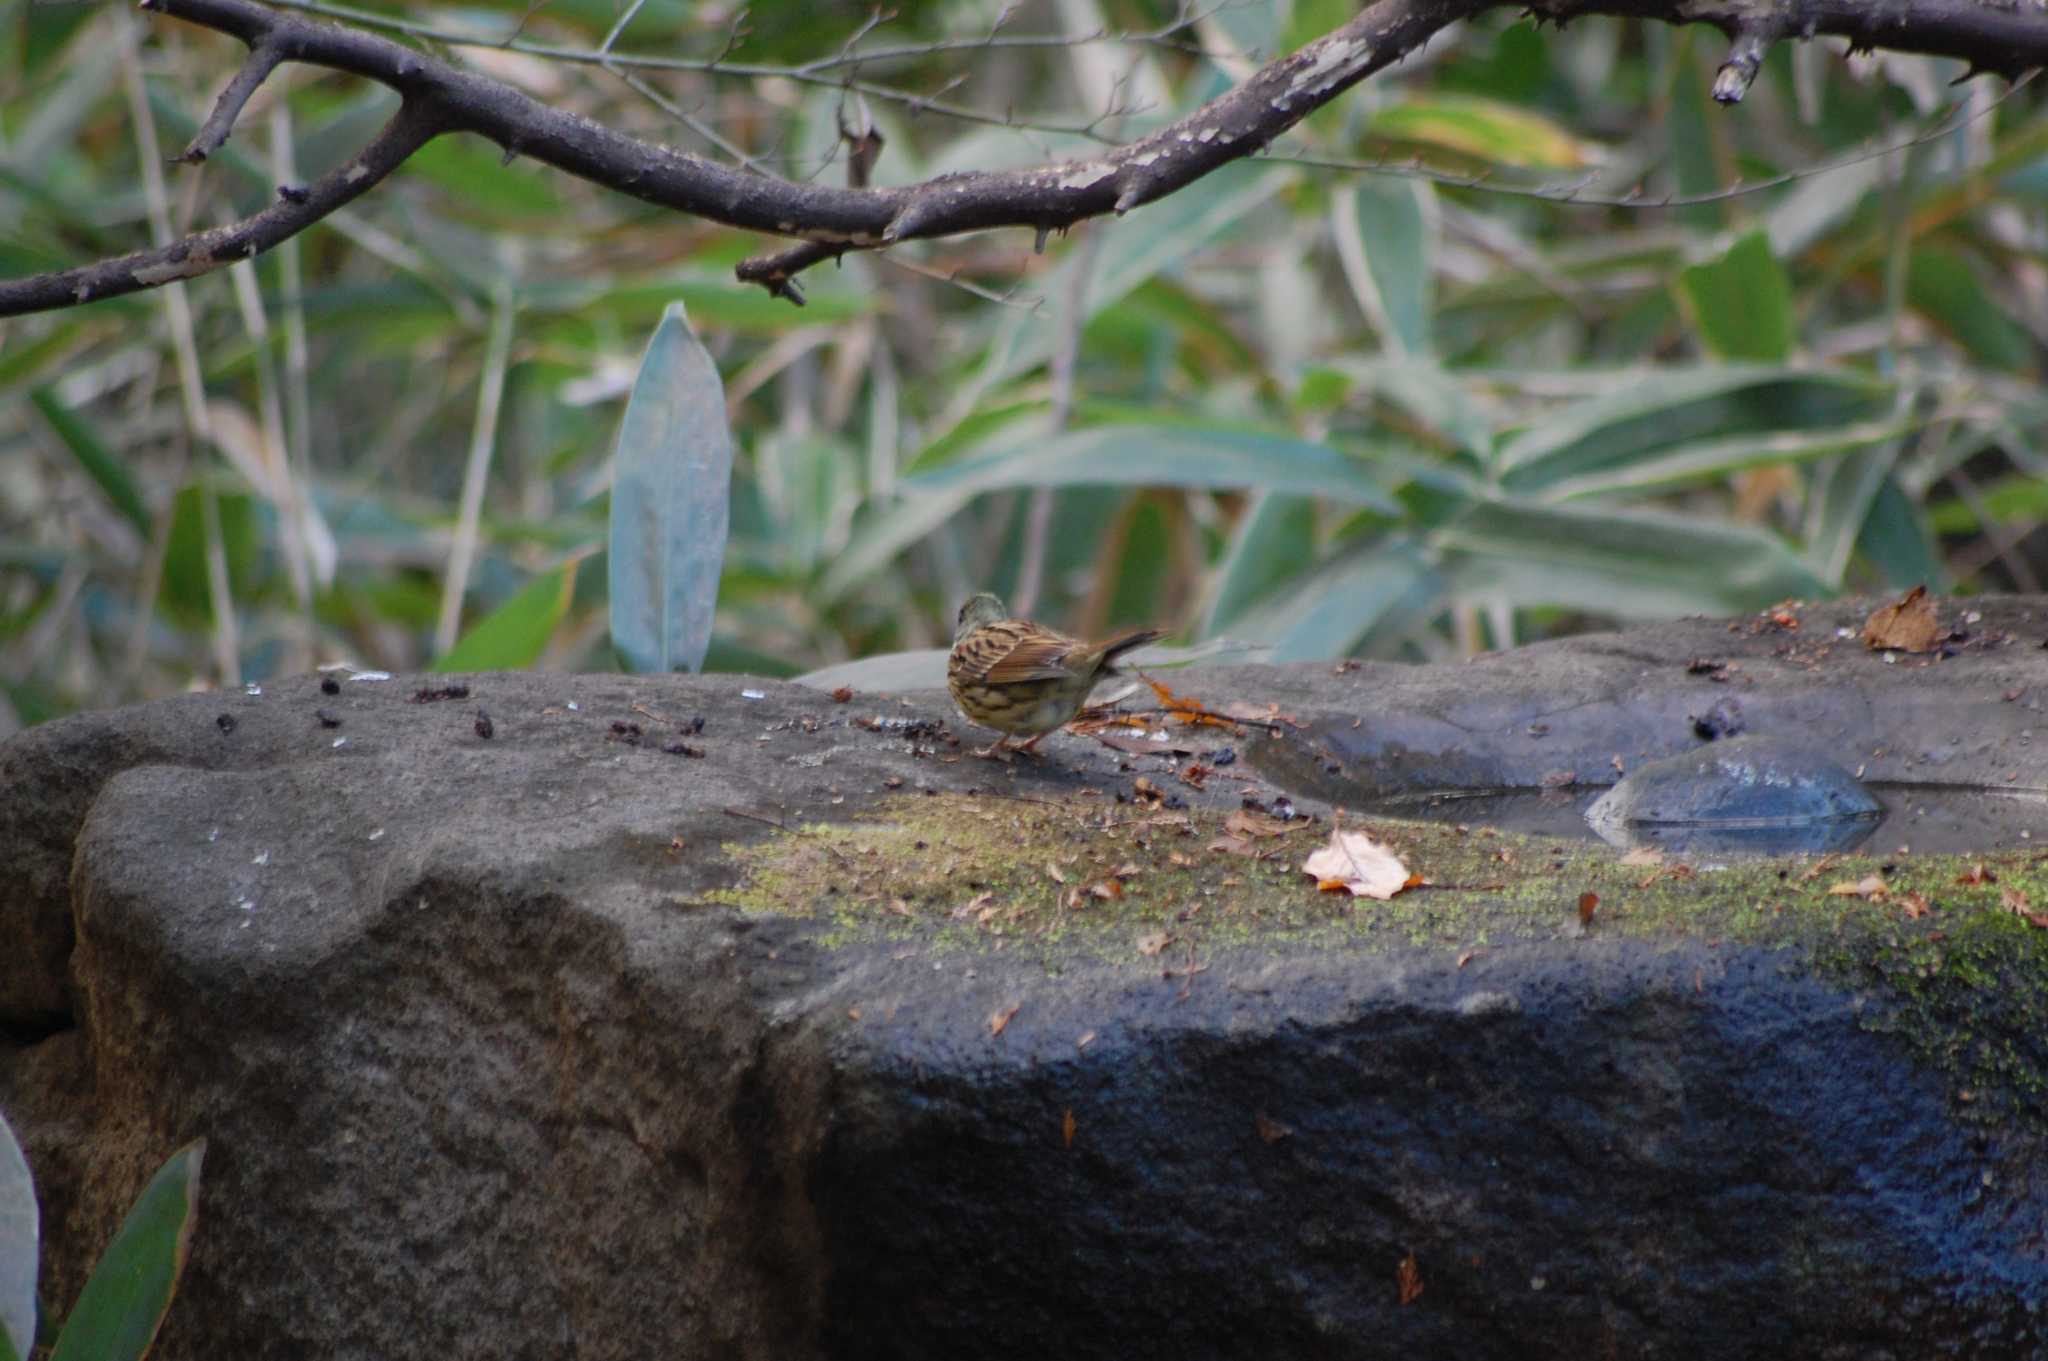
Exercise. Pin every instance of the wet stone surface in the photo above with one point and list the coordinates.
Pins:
(815, 1038)
(1754, 794)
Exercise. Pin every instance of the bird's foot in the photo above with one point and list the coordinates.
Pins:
(995, 751)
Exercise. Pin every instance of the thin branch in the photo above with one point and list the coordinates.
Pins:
(437, 97)
(2001, 39)
(263, 58)
(1574, 193)
(411, 128)
(714, 66)
(1745, 59)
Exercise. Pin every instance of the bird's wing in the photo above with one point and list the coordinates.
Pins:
(1001, 655)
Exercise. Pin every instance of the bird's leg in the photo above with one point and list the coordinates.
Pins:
(994, 751)
(1027, 747)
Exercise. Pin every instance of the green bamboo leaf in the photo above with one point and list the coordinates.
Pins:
(1897, 541)
(1670, 408)
(1741, 304)
(100, 463)
(512, 637)
(1505, 134)
(185, 596)
(1391, 220)
(671, 511)
(1337, 607)
(481, 185)
(1274, 543)
(1843, 493)
(123, 1303)
(1151, 241)
(1944, 286)
(878, 540)
(1168, 456)
(29, 361)
(1712, 460)
(20, 1245)
(1622, 563)
(1425, 392)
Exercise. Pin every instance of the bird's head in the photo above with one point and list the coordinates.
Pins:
(979, 609)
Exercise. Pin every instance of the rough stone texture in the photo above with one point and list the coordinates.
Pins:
(486, 1074)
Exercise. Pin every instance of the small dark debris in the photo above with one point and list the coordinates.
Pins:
(1225, 757)
(621, 728)
(327, 720)
(484, 727)
(683, 749)
(1701, 666)
(435, 694)
(1539, 730)
(842, 694)
(329, 686)
(915, 729)
(1724, 719)
(226, 723)
(293, 193)
(694, 726)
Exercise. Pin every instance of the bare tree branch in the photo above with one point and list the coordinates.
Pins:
(2001, 38)
(411, 128)
(213, 133)
(439, 98)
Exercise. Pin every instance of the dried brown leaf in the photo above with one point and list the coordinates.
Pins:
(1408, 1280)
(1272, 1131)
(1354, 862)
(1067, 1128)
(1906, 625)
(999, 1019)
(1152, 942)
(1247, 823)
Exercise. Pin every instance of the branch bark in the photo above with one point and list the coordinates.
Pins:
(438, 98)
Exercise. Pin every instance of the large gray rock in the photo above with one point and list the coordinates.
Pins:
(553, 1043)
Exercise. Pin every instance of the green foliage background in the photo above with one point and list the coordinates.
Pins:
(1314, 408)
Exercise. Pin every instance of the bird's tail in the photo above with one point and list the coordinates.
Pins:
(1109, 649)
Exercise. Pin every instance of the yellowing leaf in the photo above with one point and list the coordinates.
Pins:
(1505, 134)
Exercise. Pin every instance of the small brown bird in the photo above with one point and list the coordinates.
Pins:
(1019, 677)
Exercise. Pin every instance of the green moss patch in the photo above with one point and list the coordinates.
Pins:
(1958, 971)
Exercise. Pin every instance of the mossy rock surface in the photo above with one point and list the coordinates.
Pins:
(835, 1042)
